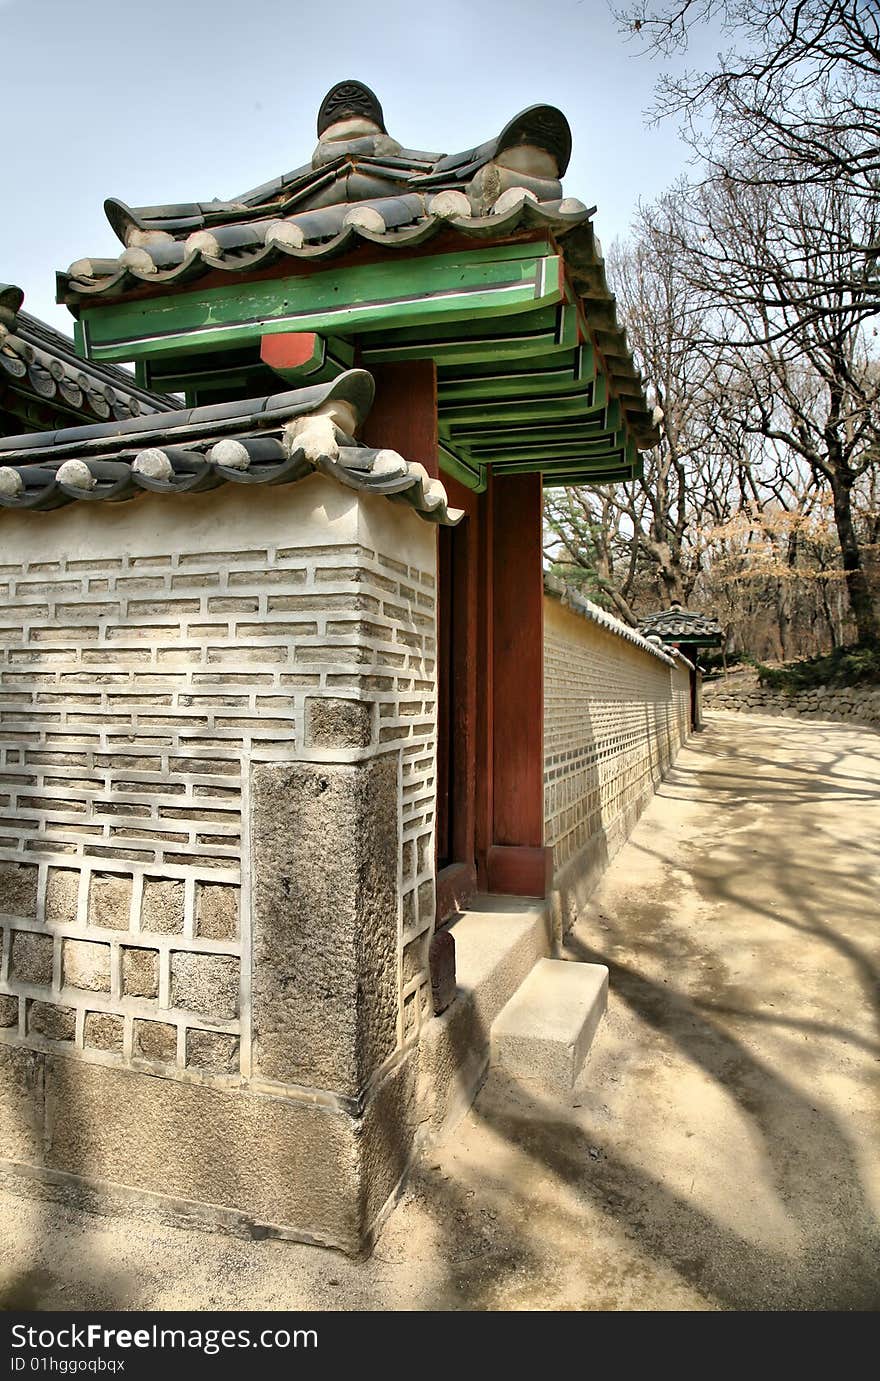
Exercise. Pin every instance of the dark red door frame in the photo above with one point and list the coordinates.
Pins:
(495, 805)
(517, 861)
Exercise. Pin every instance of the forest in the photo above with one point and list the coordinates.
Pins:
(750, 296)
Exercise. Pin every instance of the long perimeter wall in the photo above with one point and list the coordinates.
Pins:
(616, 711)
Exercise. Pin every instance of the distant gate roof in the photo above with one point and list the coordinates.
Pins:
(679, 625)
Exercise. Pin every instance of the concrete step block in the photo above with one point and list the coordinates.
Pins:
(497, 942)
(547, 1027)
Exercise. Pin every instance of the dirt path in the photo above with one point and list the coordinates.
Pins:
(722, 1150)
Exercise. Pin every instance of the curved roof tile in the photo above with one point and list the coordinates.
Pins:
(677, 624)
(195, 449)
(37, 359)
(365, 188)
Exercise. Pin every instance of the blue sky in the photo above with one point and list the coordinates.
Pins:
(184, 100)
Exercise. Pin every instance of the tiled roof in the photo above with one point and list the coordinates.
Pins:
(676, 624)
(362, 188)
(577, 602)
(40, 364)
(269, 441)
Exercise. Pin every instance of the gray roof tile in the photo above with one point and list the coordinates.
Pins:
(189, 450)
(37, 359)
(677, 624)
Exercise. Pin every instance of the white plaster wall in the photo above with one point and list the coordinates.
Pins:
(151, 651)
(614, 718)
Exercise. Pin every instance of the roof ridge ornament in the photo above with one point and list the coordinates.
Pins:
(350, 100)
(543, 126)
(11, 299)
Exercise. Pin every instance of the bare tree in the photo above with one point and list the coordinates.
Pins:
(798, 88)
(772, 260)
(637, 545)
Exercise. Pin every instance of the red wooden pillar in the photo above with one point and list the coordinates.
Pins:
(517, 860)
(404, 416)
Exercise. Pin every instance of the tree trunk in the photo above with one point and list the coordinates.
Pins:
(860, 599)
(829, 613)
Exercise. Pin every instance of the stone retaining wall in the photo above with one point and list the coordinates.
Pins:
(856, 705)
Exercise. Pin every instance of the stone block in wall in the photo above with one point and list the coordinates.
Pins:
(338, 723)
(18, 889)
(276, 1161)
(22, 1104)
(212, 1050)
(162, 906)
(103, 1031)
(409, 857)
(8, 1011)
(53, 1022)
(415, 957)
(426, 853)
(216, 911)
(410, 1015)
(110, 901)
(155, 1040)
(426, 903)
(31, 959)
(205, 983)
(62, 894)
(409, 909)
(85, 964)
(140, 972)
(324, 904)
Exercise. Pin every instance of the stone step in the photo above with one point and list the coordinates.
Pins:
(545, 1030)
(497, 942)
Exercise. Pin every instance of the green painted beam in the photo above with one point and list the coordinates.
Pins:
(538, 333)
(466, 416)
(178, 375)
(621, 475)
(471, 476)
(532, 375)
(485, 284)
(585, 430)
(487, 452)
(564, 458)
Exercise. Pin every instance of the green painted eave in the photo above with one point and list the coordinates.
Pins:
(521, 387)
(443, 288)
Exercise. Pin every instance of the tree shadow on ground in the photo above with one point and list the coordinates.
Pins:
(829, 1260)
